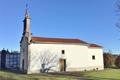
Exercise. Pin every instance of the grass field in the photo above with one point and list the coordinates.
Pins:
(6, 75)
(107, 74)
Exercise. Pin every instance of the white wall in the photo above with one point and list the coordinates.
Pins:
(78, 56)
(98, 62)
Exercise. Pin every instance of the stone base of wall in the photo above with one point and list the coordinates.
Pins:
(86, 68)
(33, 71)
(91, 68)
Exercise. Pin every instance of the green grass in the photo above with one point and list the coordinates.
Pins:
(14, 76)
(107, 74)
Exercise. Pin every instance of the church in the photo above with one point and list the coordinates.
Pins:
(41, 54)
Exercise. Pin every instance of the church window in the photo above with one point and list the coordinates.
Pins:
(93, 57)
(63, 51)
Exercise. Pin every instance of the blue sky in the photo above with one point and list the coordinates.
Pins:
(89, 20)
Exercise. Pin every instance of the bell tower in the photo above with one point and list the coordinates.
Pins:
(26, 24)
(24, 43)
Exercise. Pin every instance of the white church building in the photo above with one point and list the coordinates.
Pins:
(70, 54)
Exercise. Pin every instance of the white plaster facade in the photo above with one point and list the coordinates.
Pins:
(79, 56)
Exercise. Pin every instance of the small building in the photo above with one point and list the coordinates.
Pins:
(74, 54)
(13, 61)
(9, 60)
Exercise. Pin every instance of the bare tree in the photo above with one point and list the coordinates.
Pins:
(48, 60)
(108, 60)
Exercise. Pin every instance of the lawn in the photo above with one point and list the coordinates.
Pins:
(7, 75)
(107, 74)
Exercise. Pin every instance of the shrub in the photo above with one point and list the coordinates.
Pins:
(117, 61)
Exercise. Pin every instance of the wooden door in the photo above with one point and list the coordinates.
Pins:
(62, 65)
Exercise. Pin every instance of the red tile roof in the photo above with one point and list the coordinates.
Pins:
(62, 40)
(94, 45)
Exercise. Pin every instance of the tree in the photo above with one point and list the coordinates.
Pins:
(108, 60)
(48, 60)
(117, 61)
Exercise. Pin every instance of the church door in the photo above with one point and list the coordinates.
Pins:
(62, 65)
(23, 64)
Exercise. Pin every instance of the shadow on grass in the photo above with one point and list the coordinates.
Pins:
(72, 74)
(49, 76)
(12, 71)
(2, 78)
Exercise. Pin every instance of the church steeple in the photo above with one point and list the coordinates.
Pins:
(26, 11)
(25, 42)
(26, 22)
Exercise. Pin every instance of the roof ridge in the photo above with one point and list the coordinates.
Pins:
(65, 40)
(55, 38)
